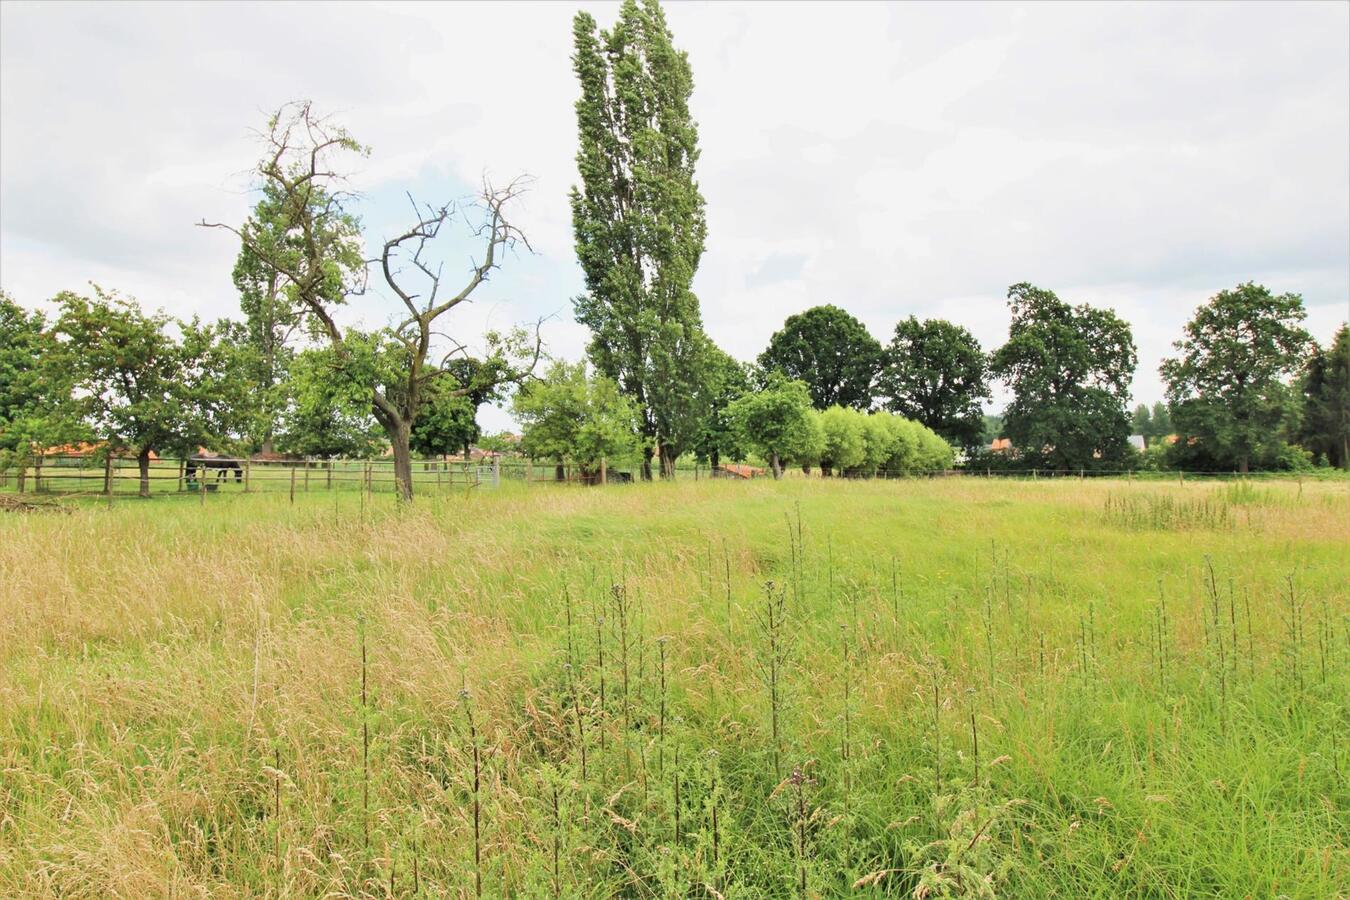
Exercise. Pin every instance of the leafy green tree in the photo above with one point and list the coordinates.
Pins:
(272, 314)
(1325, 385)
(727, 379)
(327, 414)
(934, 372)
(137, 386)
(448, 420)
(311, 237)
(831, 352)
(993, 429)
(1069, 368)
(500, 442)
(1228, 389)
(1161, 421)
(777, 422)
(639, 223)
(569, 416)
(845, 443)
(1141, 423)
(36, 407)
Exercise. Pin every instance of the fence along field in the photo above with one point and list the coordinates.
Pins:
(919, 688)
(77, 474)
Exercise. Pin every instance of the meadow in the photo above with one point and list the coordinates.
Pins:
(805, 688)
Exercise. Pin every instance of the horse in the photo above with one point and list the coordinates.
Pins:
(222, 465)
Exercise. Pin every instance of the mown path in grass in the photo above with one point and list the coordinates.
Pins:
(788, 689)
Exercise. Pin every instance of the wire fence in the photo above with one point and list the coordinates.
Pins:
(120, 475)
(114, 475)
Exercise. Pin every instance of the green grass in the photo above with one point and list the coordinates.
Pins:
(181, 692)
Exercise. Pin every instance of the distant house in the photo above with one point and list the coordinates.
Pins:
(1137, 442)
(1001, 445)
(85, 449)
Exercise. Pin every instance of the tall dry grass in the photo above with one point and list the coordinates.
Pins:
(181, 693)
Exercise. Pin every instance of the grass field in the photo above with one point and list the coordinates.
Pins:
(951, 688)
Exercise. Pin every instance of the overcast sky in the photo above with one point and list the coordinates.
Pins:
(894, 160)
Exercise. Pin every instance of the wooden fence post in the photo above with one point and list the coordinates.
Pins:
(201, 484)
(37, 474)
(328, 469)
(292, 485)
(306, 475)
(247, 469)
(182, 465)
(108, 475)
(604, 473)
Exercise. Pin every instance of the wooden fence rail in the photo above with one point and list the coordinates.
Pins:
(121, 475)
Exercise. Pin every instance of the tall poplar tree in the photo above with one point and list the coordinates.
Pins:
(639, 223)
(271, 317)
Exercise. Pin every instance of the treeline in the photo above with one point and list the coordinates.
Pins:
(1248, 388)
(104, 371)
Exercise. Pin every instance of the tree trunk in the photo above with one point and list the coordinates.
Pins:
(826, 470)
(647, 463)
(776, 464)
(667, 462)
(143, 463)
(268, 444)
(1242, 464)
(559, 473)
(400, 439)
(806, 469)
(714, 458)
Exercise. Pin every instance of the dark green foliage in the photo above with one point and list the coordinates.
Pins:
(639, 222)
(447, 421)
(829, 351)
(1161, 420)
(1141, 422)
(570, 416)
(1228, 391)
(776, 422)
(137, 386)
(935, 373)
(1325, 387)
(35, 401)
(270, 312)
(328, 411)
(1069, 368)
(727, 380)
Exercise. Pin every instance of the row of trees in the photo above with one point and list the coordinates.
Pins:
(103, 370)
(640, 227)
(1247, 380)
(291, 374)
(583, 418)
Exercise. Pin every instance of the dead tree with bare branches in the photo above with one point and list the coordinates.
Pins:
(315, 248)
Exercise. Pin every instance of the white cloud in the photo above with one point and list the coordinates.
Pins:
(890, 159)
